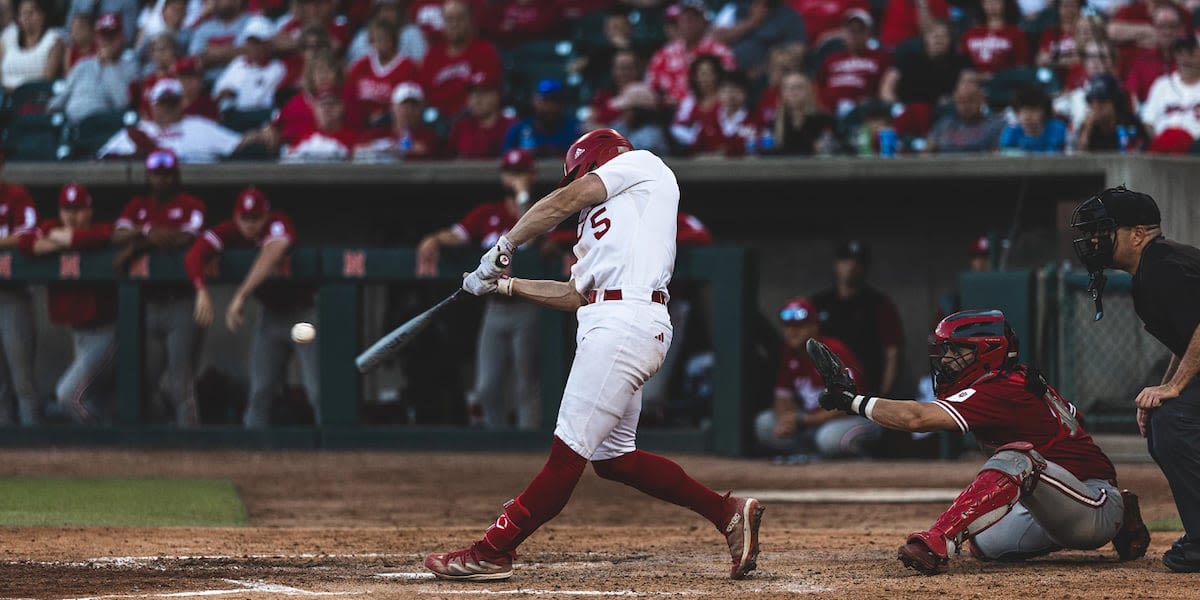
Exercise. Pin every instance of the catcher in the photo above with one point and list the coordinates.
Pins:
(1047, 486)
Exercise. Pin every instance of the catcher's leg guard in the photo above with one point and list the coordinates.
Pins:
(1012, 471)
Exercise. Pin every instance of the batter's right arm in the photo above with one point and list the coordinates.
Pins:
(559, 295)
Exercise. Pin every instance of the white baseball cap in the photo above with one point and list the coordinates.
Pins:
(164, 88)
(407, 90)
(257, 27)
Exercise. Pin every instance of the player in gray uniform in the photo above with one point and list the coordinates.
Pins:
(17, 216)
(1046, 487)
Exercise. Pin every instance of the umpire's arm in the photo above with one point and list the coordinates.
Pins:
(1185, 369)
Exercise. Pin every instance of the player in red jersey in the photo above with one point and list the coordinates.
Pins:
(1046, 487)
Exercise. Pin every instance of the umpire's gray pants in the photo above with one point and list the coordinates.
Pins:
(272, 348)
(1061, 512)
(91, 371)
(172, 321)
(17, 343)
(508, 344)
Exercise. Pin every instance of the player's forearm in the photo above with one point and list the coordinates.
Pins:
(46, 246)
(265, 263)
(1189, 363)
(903, 415)
(123, 236)
(559, 295)
(557, 206)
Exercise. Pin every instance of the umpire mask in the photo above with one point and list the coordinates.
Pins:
(1094, 247)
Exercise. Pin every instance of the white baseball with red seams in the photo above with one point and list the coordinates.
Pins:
(626, 243)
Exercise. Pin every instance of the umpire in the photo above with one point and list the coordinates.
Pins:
(1121, 229)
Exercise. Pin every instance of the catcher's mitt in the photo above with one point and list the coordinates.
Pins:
(839, 385)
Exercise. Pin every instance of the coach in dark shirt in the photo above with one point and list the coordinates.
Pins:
(1122, 229)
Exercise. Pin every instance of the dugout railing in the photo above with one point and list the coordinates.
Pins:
(341, 274)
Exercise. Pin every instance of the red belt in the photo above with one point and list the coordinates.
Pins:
(610, 295)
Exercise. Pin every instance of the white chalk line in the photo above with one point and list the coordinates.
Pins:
(252, 587)
(856, 496)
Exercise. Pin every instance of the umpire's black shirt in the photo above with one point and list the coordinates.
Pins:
(1166, 292)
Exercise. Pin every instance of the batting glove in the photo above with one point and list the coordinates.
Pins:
(496, 260)
(477, 286)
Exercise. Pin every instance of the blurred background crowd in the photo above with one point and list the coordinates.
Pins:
(391, 80)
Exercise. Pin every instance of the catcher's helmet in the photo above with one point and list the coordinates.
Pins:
(591, 150)
(968, 345)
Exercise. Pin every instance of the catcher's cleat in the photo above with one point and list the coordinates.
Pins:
(1133, 538)
(925, 553)
(741, 533)
(475, 563)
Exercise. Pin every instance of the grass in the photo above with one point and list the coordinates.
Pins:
(85, 502)
(1172, 524)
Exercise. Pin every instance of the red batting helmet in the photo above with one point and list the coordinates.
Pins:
(591, 150)
(968, 345)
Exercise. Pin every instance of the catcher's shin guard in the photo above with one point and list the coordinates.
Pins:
(1012, 471)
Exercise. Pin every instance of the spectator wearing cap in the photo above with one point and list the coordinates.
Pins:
(1144, 65)
(626, 70)
(551, 129)
(515, 22)
(924, 80)
(853, 75)
(697, 113)
(214, 40)
(995, 42)
(971, 128)
(795, 424)
(800, 125)
(1172, 110)
(903, 20)
(193, 139)
(480, 132)
(331, 140)
(508, 334)
(406, 138)
(1108, 109)
(17, 216)
(126, 11)
(283, 303)
(30, 50)
(670, 66)
(251, 80)
(752, 30)
(862, 317)
(373, 78)
(410, 42)
(84, 391)
(450, 63)
(99, 83)
(1037, 130)
(81, 40)
(166, 219)
(639, 119)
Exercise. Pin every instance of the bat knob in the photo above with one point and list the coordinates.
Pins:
(504, 260)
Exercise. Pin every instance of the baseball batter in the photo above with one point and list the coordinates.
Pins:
(1046, 487)
(627, 202)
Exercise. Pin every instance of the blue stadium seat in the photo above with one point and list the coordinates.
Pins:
(91, 133)
(36, 138)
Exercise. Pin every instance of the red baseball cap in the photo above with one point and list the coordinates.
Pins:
(517, 160)
(251, 202)
(798, 310)
(74, 195)
(108, 22)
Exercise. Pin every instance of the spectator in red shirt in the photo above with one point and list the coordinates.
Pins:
(1133, 25)
(736, 131)
(88, 309)
(903, 20)
(1148, 64)
(781, 61)
(323, 74)
(697, 113)
(407, 138)
(480, 132)
(848, 77)
(518, 21)
(330, 140)
(626, 70)
(195, 101)
(669, 68)
(996, 43)
(373, 77)
(449, 64)
(823, 18)
(1056, 49)
(313, 41)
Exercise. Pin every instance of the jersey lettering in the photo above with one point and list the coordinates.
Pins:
(600, 226)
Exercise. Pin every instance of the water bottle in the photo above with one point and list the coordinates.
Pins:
(864, 142)
(888, 141)
(527, 141)
(1123, 138)
(405, 143)
(767, 142)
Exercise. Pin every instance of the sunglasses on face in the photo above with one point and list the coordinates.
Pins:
(793, 314)
(160, 160)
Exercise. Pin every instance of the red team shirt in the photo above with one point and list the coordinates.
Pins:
(371, 83)
(77, 304)
(184, 212)
(274, 294)
(900, 20)
(852, 77)
(823, 16)
(445, 77)
(486, 223)
(668, 71)
(17, 213)
(1000, 410)
(992, 50)
(470, 139)
(799, 377)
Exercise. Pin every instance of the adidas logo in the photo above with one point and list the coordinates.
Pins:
(578, 151)
(659, 337)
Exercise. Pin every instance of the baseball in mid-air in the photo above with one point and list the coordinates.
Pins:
(303, 333)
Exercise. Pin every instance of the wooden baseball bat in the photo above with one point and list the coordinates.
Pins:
(402, 335)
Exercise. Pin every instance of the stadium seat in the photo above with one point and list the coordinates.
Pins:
(527, 64)
(36, 138)
(30, 98)
(242, 121)
(90, 134)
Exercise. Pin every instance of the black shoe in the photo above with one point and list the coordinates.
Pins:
(1183, 557)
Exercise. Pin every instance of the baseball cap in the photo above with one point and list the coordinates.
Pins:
(482, 80)
(258, 28)
(187, 65)
(251, 202)
(858, 14)
(162, 160)
(981, 246)
(1128, 208)
(164, 89)
(108, 22)
(853, 249)
(517, 160)
(407, 90)
(1102, 87)
(798, 310)
(74, 195)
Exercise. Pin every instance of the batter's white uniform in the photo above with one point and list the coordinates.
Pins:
(626, 243)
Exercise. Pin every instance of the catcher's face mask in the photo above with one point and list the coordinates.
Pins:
(948, 361)
(1095, 245)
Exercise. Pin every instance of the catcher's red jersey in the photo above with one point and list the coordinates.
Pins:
(1001, 410)
(486, 223)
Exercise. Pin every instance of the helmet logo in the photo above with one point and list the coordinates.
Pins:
(961, 396)
(578, 151)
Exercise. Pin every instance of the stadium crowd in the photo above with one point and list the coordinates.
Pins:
(391, 80)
